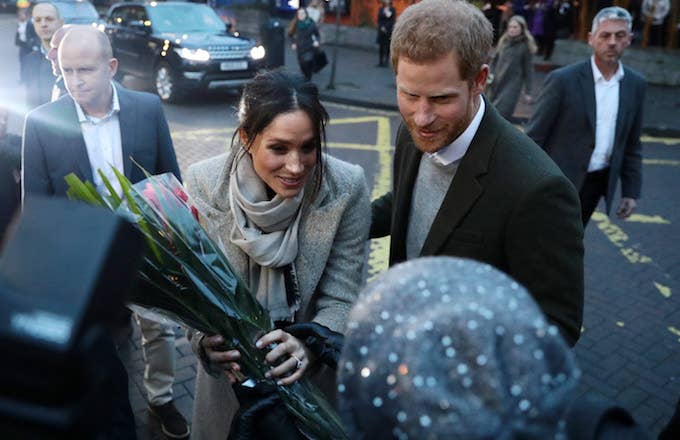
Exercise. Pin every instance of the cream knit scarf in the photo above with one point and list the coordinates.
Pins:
(267, 231)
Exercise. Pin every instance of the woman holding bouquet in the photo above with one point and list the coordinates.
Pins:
(293, 223)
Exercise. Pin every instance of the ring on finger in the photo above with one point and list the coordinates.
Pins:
(298, 361)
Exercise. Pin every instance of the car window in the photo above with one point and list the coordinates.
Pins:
(118, 16)
(136, 14)
(77, 12)
(185, 17)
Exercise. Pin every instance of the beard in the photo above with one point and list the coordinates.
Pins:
(440, 133)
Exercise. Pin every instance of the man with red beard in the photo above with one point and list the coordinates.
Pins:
(466, 182)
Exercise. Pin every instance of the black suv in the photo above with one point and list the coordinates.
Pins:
(180, 46)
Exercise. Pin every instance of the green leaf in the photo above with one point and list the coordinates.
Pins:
(114, 198)
(128, 190)
(84, 192)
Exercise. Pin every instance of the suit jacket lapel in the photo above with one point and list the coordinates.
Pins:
(73, 138)
(127, 118)
(465, 188)
(587, 85)
(626, 101)
(409, 164)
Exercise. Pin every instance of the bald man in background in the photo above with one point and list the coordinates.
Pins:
(59, 88)
(96, 125)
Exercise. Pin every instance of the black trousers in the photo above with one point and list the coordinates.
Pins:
(592, 190)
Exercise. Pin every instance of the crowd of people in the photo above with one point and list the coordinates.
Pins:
(469, 334)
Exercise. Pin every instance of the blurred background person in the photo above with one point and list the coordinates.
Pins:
(39, 79)
(316, 12)
(305, 36)
(24, 38)
(558, 25)
(59, 88)
(10, 172)
(654, 13)
(535, 18)
(449, 348)
(512, 67)
(386, 17)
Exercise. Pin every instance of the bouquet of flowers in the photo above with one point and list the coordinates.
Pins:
(193, 283)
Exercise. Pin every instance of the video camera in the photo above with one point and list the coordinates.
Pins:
(64, 273)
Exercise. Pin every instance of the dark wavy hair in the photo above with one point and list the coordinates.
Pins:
(275, 92)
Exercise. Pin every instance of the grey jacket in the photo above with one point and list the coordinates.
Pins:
(512, 69)
(332, 237)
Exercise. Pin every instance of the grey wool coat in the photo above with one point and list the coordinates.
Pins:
(512, 69)
(332, 236)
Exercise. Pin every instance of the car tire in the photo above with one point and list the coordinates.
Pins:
(166, 84)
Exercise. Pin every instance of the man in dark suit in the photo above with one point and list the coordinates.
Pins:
(39, 78)
(589, 116)
(466, 182)
(96, 126)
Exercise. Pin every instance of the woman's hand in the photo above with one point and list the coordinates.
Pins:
(315, 43)
(290, 353)
(528, 99)
(225, 360)
(293, 46)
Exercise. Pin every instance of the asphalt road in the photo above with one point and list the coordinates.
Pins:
(630, 347)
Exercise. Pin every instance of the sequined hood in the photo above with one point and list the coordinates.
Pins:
(444, 348)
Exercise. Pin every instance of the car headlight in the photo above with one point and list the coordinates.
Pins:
(193, 54)
(257, 52)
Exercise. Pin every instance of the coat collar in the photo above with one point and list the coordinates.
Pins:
(466, 186)
(464, 191)
(626, 102)
(587, 85)
(127, 118)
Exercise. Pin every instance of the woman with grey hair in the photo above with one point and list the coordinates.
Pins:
(447, 348)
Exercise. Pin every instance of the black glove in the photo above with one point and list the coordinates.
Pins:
(323, 342)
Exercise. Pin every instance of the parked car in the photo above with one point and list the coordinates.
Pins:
(180, 46)
(77, 12)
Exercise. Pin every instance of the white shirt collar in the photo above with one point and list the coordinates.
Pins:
(457, 149)
(115, 108)
(597, 75)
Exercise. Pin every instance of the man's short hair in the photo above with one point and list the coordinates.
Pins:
(431, 29)
(56, 10)
(612, 13)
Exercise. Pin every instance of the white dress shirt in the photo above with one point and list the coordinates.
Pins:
(606, 111)
(103, 142)
(457, 149)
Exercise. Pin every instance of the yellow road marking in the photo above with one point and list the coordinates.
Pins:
(618, 237)
(668, 162)
(641, 218)
(675, 331)
(620, 323)
(660, 140)
(664, 290)
(361, 109)
(355, 120)
(359, 147)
